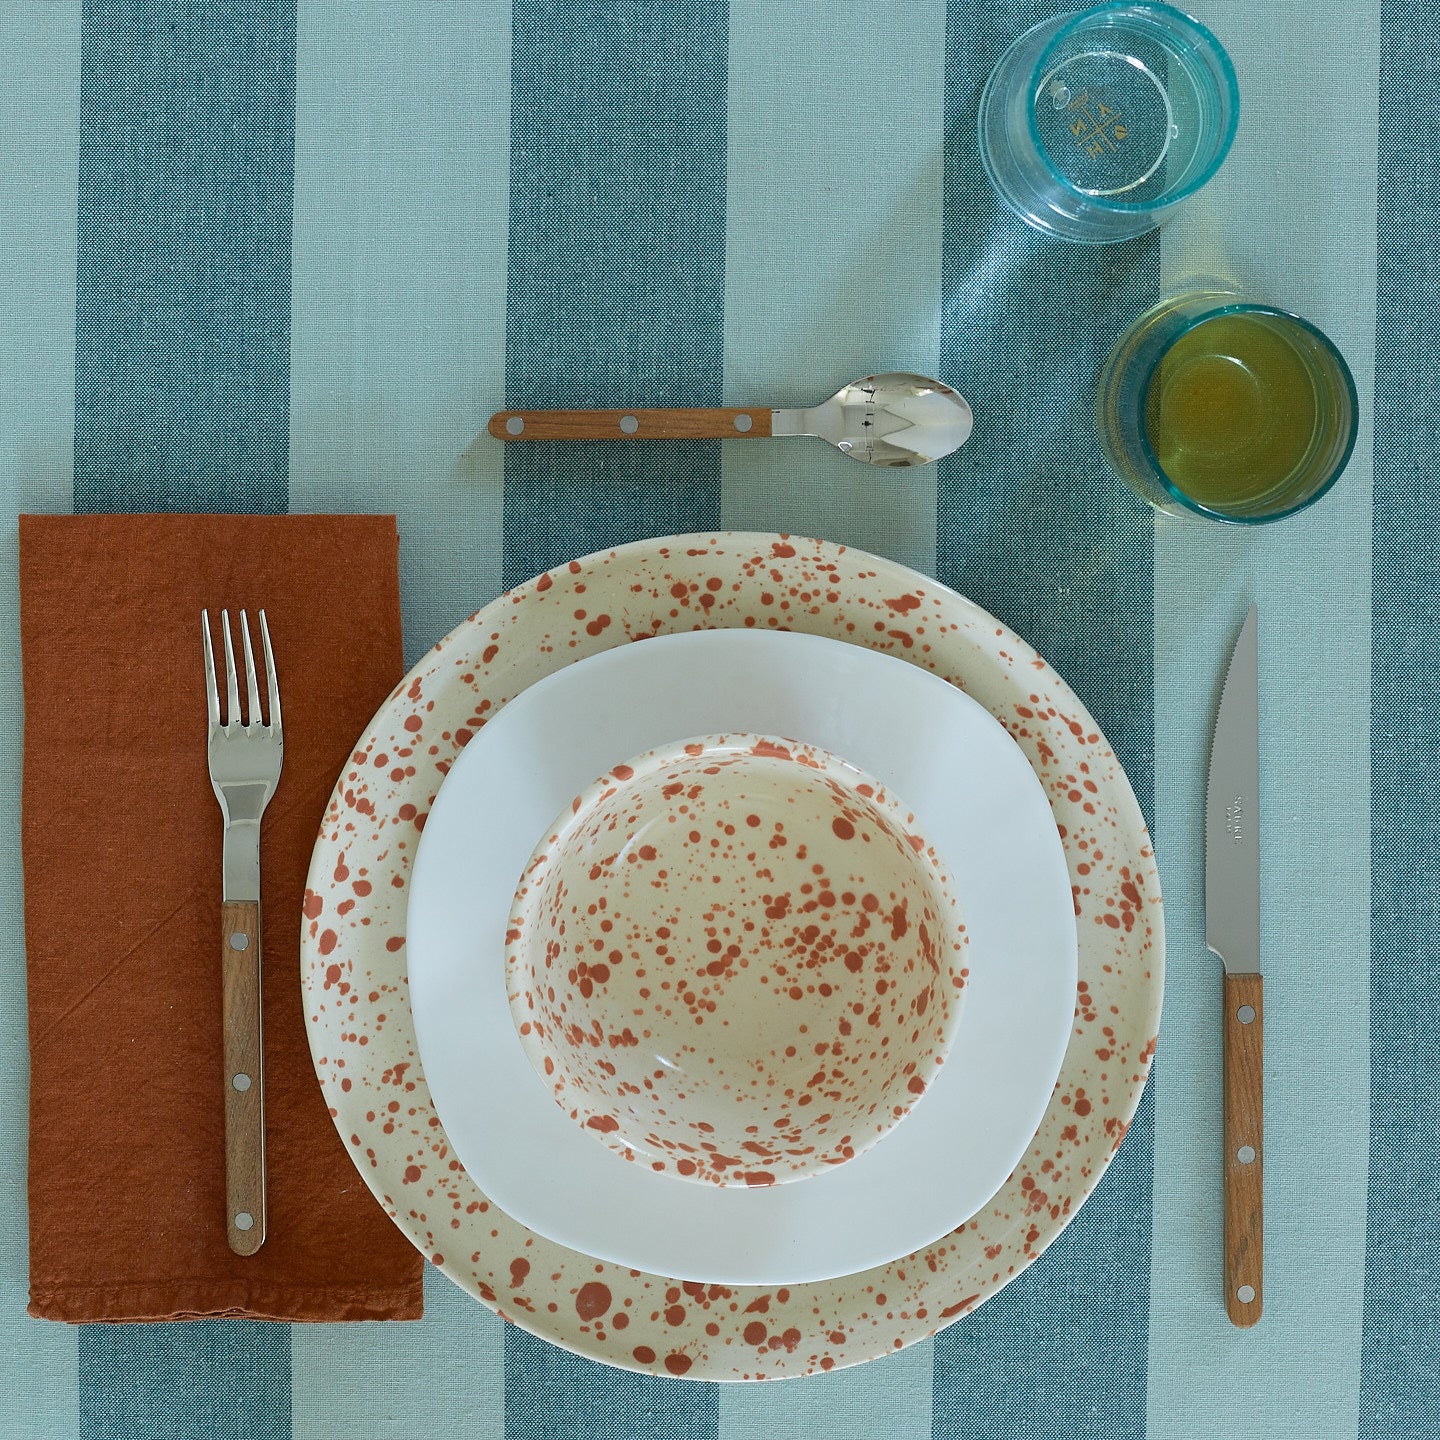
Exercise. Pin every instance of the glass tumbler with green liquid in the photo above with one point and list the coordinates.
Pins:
(1214, 407)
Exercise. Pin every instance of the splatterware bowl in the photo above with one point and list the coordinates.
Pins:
(735, 959)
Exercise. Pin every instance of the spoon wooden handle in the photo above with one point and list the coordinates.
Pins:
(703, 424)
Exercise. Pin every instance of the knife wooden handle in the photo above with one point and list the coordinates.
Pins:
(704, 424)
(1244, 1148)
(244, 1077)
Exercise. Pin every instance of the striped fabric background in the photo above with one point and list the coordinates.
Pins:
(270, 255)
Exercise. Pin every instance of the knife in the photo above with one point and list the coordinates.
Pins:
(1232, 931)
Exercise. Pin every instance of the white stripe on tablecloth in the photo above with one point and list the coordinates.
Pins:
(441, 1379)
(40, 101)
(888, 1397)
(1295, 228)
(835, 190)
(398, 340)
(835, 208)
(398, 320)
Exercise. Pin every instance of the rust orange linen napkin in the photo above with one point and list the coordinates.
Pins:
(121, 835)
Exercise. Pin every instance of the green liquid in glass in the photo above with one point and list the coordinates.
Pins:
(1233, 412)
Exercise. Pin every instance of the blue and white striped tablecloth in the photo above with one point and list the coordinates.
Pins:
(262, 255)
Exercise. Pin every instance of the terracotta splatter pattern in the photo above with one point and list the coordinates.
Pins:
(736, 959)
(353, 955)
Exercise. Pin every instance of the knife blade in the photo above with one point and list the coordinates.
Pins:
(1232, 931)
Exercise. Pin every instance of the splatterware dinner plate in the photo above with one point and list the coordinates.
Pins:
(354, 968)
(973, 794)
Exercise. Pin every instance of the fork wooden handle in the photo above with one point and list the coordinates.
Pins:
(1244, 1148)
(244, 1077)
(702, 424)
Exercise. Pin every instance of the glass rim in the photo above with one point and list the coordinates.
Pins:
(1243, 307)
(1230, 89)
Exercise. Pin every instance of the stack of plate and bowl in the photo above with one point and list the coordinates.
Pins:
(754, 1036)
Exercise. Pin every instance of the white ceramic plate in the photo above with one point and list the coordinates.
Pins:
(355, 982)
(973, 794)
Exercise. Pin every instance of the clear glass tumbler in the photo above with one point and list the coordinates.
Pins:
(1095, 125)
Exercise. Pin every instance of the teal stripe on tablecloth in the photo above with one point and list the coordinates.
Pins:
(190, 1380)
(182, 287)
(616, 297)
(617, 264)
(1061, 1351)
(1400, 1361)
(1034, 527)
(182, 359)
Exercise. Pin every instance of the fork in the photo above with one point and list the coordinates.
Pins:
(245, 759)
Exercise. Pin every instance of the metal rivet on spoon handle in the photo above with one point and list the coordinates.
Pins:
(883, 420)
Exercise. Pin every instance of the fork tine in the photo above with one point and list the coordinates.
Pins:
(252, 688)
(270, 678)
(212, 695)
(232, 683)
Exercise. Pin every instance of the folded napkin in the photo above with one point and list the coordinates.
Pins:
(121, 835)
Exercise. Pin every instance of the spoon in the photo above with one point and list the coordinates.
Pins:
(883, 420)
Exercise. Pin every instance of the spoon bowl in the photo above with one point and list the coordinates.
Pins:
(896, 419)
